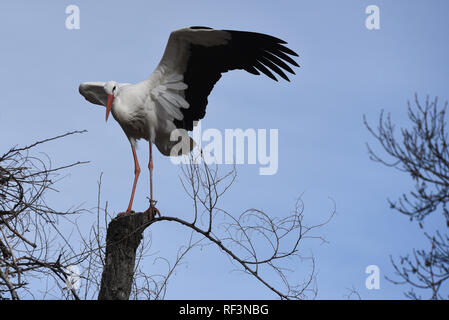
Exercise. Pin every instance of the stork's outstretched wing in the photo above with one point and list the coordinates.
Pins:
(199, 55)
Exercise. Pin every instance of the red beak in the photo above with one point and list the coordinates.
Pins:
(109, 105)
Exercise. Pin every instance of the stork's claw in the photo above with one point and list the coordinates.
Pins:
(152, 210)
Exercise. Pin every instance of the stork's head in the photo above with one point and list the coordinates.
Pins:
(110, 88)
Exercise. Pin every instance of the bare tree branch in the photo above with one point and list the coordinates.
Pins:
(422, 152)
(243, 238)
(29, 248)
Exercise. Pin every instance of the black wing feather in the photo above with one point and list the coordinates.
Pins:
(250, 51)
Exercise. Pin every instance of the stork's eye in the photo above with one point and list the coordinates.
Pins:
(113, 89)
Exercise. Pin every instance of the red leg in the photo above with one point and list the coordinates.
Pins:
(136, 177)
(150, 166)
(152, 210)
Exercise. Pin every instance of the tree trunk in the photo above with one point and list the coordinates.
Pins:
(122, 239)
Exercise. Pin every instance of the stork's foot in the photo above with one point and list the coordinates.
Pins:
(152, 210)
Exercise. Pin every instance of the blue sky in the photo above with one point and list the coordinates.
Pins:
(346, 71)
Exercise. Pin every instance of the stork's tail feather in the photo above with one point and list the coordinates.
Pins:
(180, 144)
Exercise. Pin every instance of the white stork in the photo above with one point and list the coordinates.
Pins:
(175, 94)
